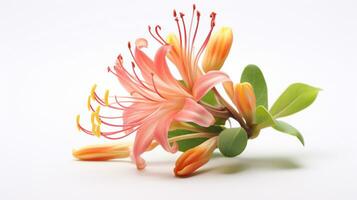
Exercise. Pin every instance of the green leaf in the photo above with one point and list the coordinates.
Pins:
(288, 129)
(263, 118)
(186, 144)
(210, 98)
(232, 141)
(294, 99)
(254, 76)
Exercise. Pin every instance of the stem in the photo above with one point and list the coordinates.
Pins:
(220, 112)
(236, 115)
(191, 136)
(183, 137)
(186, 126)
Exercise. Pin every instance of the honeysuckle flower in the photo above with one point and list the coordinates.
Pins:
(159, 103)
(157, 99)
(194, 158)
(217, 49)
(245, 100)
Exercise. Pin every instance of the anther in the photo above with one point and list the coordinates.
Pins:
(106, 97)
(77, 121)
(88, 103)
(92, 92)
(97, 131)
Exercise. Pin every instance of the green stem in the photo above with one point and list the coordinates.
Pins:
(236, 115)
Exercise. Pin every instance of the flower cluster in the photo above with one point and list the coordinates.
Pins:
(188, 113)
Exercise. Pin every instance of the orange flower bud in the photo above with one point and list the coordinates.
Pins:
(217, 49)
(194, 158)
(102, 152)
(245, 100)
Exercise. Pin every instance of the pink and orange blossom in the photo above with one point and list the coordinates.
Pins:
(157, 100)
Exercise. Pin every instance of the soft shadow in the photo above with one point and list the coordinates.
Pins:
(240, 165)
(221, 165)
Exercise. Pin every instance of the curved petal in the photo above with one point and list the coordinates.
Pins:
(145, 63)
(228, 87)
(194, 112)
(143, 139)
(163, 71)
(206, 82)
(161, 134)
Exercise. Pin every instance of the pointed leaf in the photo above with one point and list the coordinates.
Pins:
(294, 99)
(263, 118)
(288, 129)
(232, 141)
(255, 77)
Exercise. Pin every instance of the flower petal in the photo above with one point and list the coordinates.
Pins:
(163, 71)
(143, 139)
(228, 87)
(145, 63)
(206, 82)
(194, 112)
(161, 134)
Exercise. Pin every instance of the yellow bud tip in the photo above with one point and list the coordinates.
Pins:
(92, 91)
(106, 98)
(77, 122)
(217, 49)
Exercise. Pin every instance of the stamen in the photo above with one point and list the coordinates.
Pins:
(117, 101)
(145, 97)
(97, 131)
(190, 30)
(153, 83)
(157, 39)
(184, 28)
(213, 18)
(179, 30)
(97, 115)
(106, 97)
(198, 15)
(92, 117)
(92, 91)
(138, 79)
(157, 29)
(102, 103)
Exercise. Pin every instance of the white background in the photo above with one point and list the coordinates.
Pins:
(51, 52)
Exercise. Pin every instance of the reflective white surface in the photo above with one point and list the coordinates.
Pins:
(51, 52)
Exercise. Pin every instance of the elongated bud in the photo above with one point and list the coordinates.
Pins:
(194, 158)
(217, 49)
(245, 100)
(102, 152)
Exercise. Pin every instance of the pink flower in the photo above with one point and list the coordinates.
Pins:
(157, 99)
